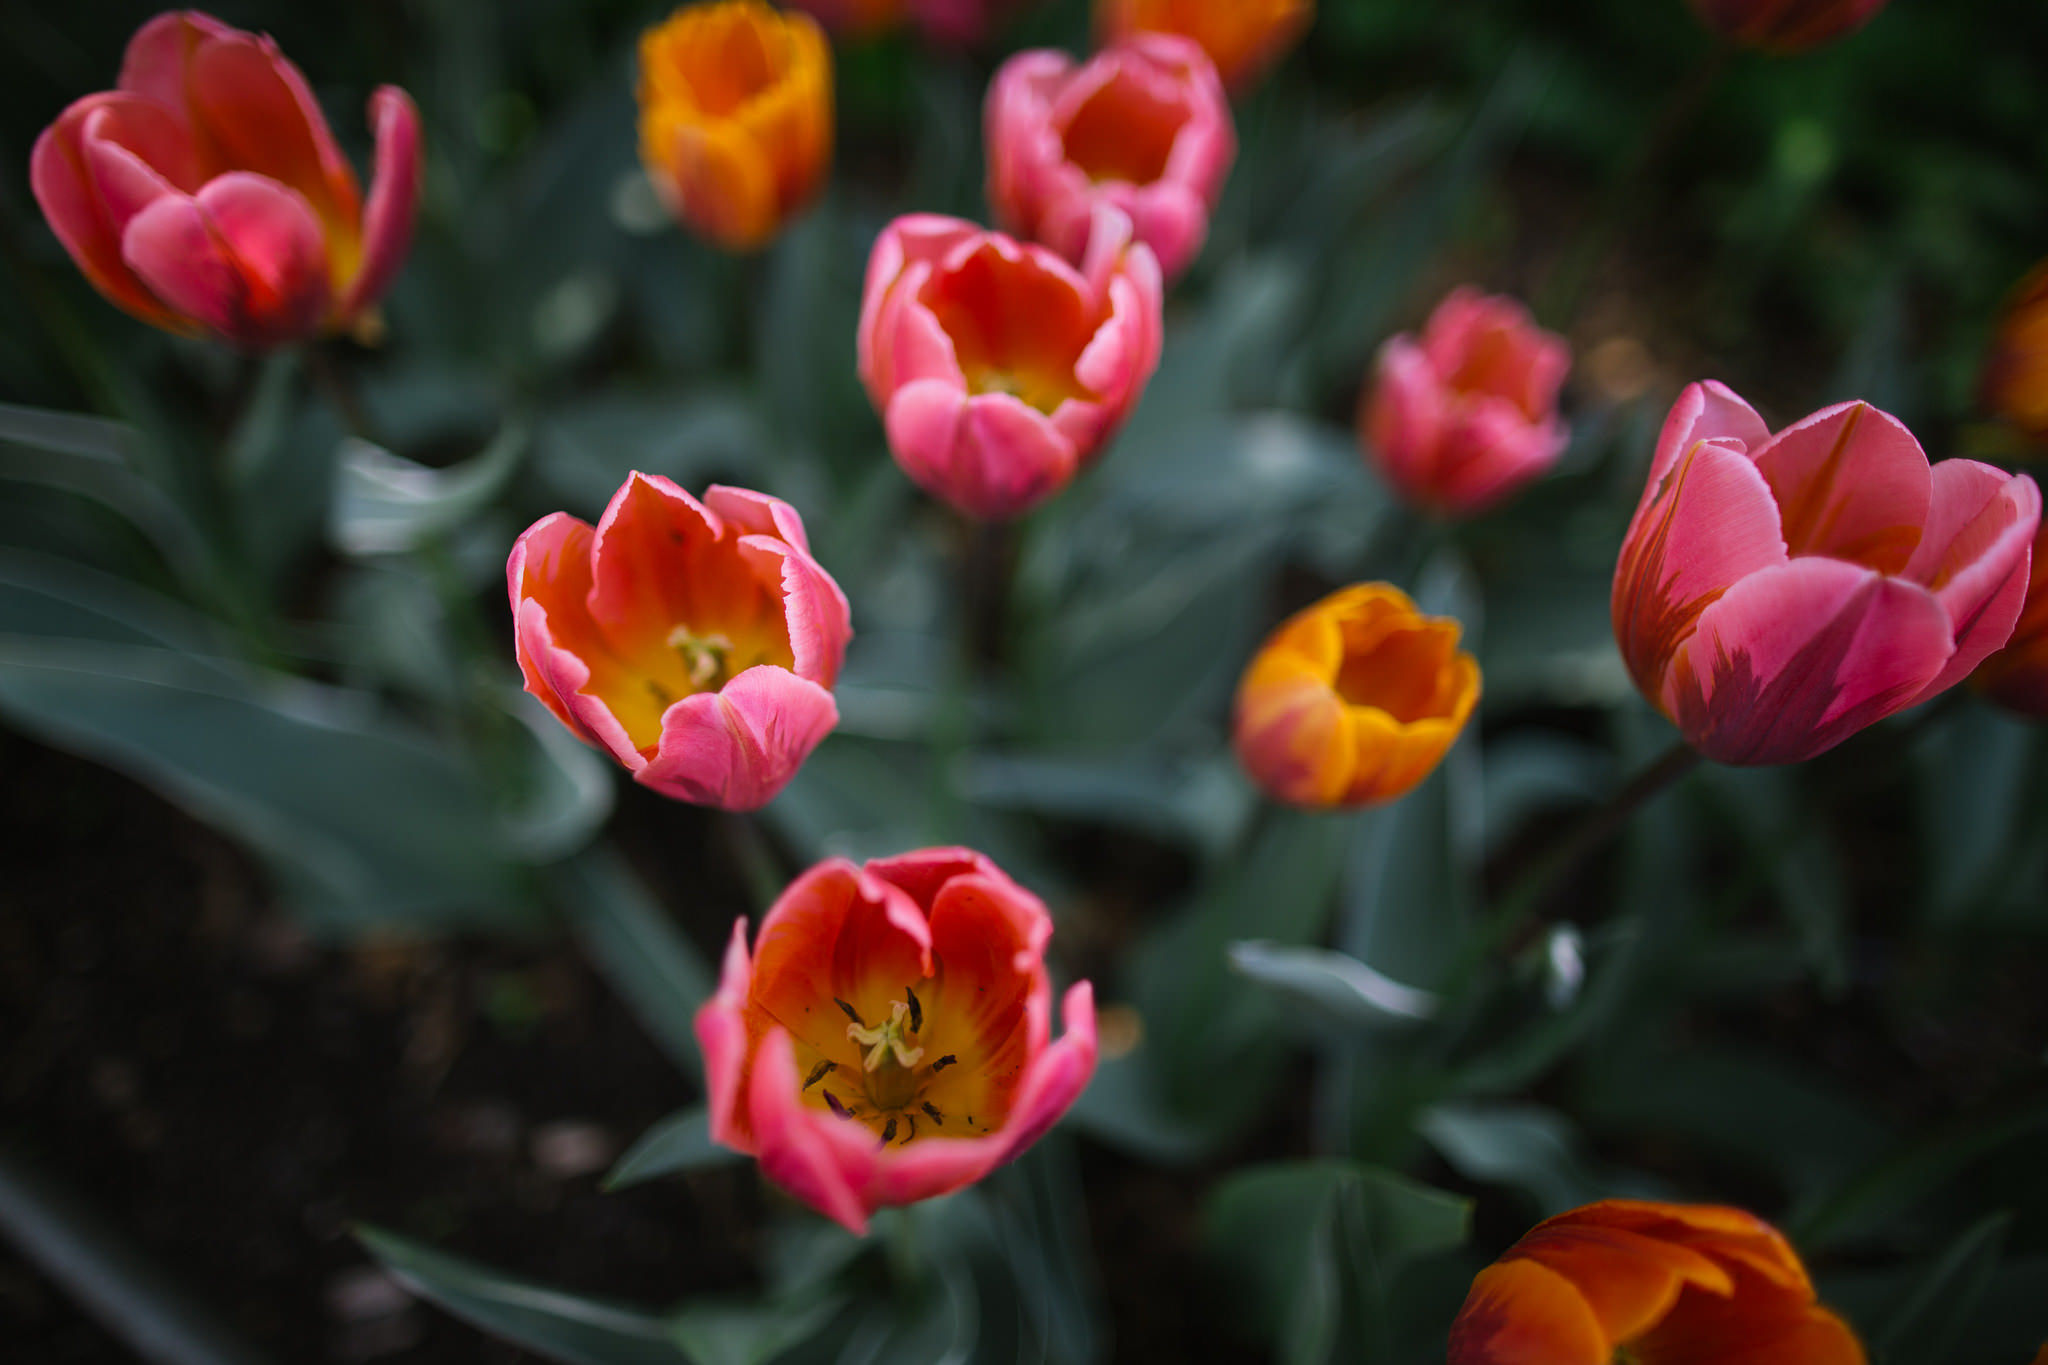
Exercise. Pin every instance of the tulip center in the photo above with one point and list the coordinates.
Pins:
(892, 1085)
(1400, 671)
(1123, 132)
(1016, 327)
(704, 656)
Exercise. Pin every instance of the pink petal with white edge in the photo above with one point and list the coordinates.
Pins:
(1794, 660)
(1851, 483)
(1976, 556)
(795, 1147)
(394, 197)
(738, 747)
(1705, 411)
(244, 256)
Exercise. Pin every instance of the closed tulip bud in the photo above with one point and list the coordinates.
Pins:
(2016, 373)
(1462, 418)
(889, 1037)
(735, 117)
(1778, 593)
(2017, 676)
(1631, 1280)
(1142, 126)
(695, 642)
(1244, 38)
(205, 192)
(1354, 701)
(1786, 26)
(999, 369)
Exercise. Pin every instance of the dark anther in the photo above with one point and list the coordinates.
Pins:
(916, 1011)
(851, 1012)
(837, 1107)
(820, 1072)
(932, 1111)
(940, 1065)
(888, 1132)
(910, 1119)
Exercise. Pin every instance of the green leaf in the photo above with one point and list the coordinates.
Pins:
(1341, 985)
(1925, 1328)
(646, 958)
(564, 788)
(384, 504)
(1525, 1147)
(680, 1142)
(562, 1326)
(748, 1334)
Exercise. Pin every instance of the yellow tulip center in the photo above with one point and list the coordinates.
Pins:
(891, 1082)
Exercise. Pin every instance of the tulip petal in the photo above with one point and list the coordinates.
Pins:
(1705, 411)
(721, 1029)
(1976, 555)
(738, 747)
(1406, 411)
(1851, 483)
(1795, 659)
(794, 1148)
(837, 933)
(1628, 1279)
(1521, 1312)
(1709, 524)
(255, 109)
(394, 197)
(1754, 1327)
(244, 256)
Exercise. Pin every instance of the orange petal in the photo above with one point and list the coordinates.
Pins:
(1523, 1313)
(1631, 1281)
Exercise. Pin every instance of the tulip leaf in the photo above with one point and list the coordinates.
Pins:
(385, 504)
(1341, 985)
(561, 1326)
(565, 789)
(1526, 1147)
(646, 958)
(1927, 1325)
(748, 1333)
(681, 1142)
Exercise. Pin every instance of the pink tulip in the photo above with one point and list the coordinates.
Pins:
(1143, 125)
(890, 1037)
(999, 369)
(696, 642)
(1465, 417)
(205, 192)
(1776, 594)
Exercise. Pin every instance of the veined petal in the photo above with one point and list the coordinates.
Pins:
(1851, 483)
(795, 1147)
(245, 256)
(394, 198)
(737, 748)
(1975, 556)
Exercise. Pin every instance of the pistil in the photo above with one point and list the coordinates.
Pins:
(703, 655)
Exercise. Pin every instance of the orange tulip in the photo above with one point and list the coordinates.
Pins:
(735, 117)
(1243, 37)
(1657, 1284)
(2016, 374)
(1354, 701)
(2017, 675)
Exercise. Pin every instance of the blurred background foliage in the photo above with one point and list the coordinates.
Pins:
(1338, 1078)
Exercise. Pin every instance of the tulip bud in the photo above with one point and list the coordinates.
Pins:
(2017, 676)
(1627, 1279)
(1778, 593)
(1786, 26)
(998, 368)
(1244, 38)
(1142, 126)
(1463, 418)
(889, 1038)
(735, 117)
(1354, 701)
(696, 642)
(2016, 373)
(205, 193)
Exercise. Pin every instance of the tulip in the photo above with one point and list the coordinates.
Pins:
(1243, 37)
(735, 117)
(205, 193)
(2017, 676)
(1353, 701)
(695, 642)
(1786, 26)
(2016, 375)
(1776, 594)
(949, 23)
(1461, 419)
(889, 1037)
(1143, 126)
(1630, 1280)
(998, 368)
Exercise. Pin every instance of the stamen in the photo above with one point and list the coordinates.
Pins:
(703, 655)
(916, 1011)
(841, 1110)
(820, 1072)
(889, 1132)
(881, 1042)
(940, 1065)
(662, 697)
(910, 1119)
(932, 1111)
(851, 1012)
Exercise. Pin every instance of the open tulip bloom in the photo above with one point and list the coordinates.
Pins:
(696, 642)
(1143, 125)
(205, 192)
(1654, 1284)
(889, 1037)
(1778, 593)
(998, 368)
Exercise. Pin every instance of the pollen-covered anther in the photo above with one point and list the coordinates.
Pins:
(889, 1039)
(820, 1072)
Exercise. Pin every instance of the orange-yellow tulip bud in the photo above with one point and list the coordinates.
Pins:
(1243, 37)
(1354, 700)
(735, 117)
(2016, 373)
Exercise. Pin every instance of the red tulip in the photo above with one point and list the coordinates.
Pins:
(205, 192)
(1657, 1284)
(1776, 594)
(889, 1038)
